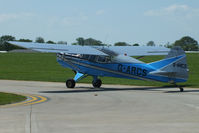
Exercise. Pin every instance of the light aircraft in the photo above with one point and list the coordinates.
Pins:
(116, 61)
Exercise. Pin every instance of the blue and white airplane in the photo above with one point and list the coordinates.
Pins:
(116, 61)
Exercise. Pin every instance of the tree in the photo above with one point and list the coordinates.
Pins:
(80, 41)
(93, 42)
(6, 46)
(25, 40)
(150, 43)
(168, 45)
(62, 42)
(39, 40)
(187, 43)
(121, 44)
(136, 44)
(75, 43)
(6, 38)
(89, 42)
(50, 42)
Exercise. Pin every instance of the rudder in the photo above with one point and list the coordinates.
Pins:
(178, 68)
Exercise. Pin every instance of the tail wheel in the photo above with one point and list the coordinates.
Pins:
(97, 83)
(70, 83)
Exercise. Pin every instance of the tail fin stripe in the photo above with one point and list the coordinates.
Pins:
(164, 62)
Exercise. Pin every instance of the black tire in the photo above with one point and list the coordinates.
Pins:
(70, 83)
(181, 89)
(74, 71)
(97, 83)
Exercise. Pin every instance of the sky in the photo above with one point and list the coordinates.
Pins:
(131, 21)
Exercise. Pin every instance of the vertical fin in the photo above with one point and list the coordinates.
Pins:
(175, 51)
(174, 66)
(178, 68)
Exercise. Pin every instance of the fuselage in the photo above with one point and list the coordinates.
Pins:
(96, 65)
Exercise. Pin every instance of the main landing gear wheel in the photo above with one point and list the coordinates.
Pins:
(70, 83)
(97, 83)
(181, 89)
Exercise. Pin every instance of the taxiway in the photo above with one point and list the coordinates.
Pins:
(112, 109)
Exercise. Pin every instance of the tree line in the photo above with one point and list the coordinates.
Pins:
(186, 42)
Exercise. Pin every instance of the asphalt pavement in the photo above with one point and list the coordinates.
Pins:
(111, 109)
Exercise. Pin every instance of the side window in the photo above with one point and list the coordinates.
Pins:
(104, 59)
(101, 59)
(92, 58)
(85, 57)
(95, 58)
(108, 59)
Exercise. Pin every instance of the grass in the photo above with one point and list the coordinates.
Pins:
(43, 67)
(8, 98)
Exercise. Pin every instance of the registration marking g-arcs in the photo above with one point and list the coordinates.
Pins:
(137, 71)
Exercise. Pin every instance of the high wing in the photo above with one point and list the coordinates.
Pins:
(97, 50)
(58, 48)
(134, 50)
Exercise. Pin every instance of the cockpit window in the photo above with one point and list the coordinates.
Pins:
(96, 58)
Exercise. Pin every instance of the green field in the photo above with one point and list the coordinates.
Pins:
(43, 67)
(8, 98)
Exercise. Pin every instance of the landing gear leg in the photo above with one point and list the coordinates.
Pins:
(70, 83)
